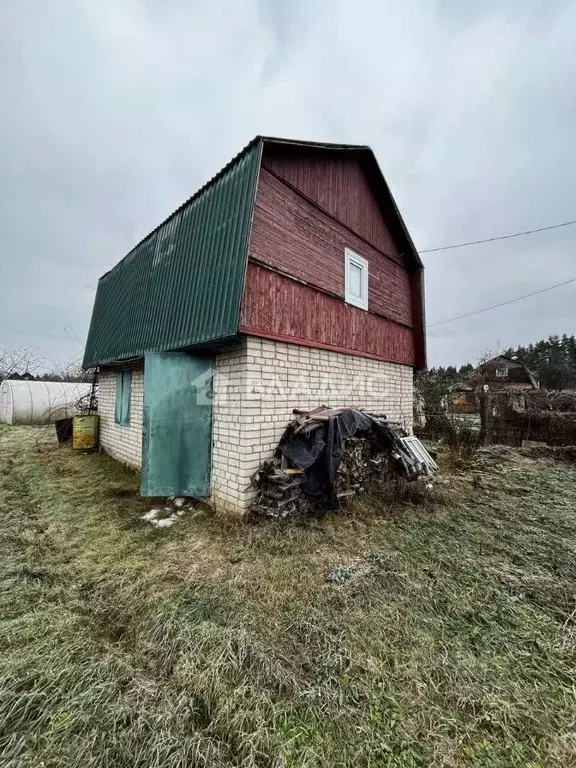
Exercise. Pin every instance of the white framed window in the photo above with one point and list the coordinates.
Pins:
(356, 279)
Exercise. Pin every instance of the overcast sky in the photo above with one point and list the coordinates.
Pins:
(115, 111)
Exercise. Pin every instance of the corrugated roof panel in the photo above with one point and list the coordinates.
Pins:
(182, 285)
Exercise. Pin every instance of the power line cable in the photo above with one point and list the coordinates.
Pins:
(502, 304)
(499, 237)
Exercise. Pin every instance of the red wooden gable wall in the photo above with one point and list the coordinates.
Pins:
(339, 186)
(309, 208)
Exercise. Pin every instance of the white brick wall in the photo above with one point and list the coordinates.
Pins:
(121, 441)
(258, 382)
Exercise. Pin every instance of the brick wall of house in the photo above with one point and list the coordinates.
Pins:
(121, 441)
(258, 382)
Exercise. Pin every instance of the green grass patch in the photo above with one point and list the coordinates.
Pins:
(448, 642)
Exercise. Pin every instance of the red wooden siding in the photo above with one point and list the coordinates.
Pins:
(293, 235)
(281, 308)
(338, 184)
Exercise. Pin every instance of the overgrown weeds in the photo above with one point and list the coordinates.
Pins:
(448, 641)
(462, 445)
(460, 441)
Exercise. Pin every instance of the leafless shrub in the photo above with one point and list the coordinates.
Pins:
(70, 370)
(463, 444)
(19, 360)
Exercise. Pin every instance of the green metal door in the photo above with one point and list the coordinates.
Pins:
(177, 425)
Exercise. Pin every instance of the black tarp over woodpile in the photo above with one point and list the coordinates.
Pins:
(304, 471)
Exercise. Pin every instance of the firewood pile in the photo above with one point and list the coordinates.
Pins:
(363, 462)
(371, 449)
(279, 491)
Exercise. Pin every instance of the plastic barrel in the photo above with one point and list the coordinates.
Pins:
(85, 434)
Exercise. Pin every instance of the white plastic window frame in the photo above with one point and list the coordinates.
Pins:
(352, 258)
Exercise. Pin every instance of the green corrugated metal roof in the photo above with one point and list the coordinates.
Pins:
(182, 285)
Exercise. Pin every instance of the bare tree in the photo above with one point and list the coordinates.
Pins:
(19, 360)
(479, 379)
(70, 370)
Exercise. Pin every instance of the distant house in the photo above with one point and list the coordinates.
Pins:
(507, 373)
(26, 376)
(462, 398)
(499, 374)
(288, 280)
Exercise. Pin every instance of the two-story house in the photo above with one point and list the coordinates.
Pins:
(288, 280)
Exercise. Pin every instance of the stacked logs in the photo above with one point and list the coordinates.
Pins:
(362, 463)
(279, 491)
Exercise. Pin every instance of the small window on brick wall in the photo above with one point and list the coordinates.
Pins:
(356, 279)
(123, 391)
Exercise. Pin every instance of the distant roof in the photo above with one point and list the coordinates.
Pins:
(513, 362)
(159, 298)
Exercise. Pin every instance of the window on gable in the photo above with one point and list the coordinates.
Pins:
(356, 279)
(123, 391)
(502, 373)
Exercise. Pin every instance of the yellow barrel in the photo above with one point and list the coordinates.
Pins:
(85, 434)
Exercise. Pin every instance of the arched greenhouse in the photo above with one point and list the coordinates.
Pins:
(40, 402)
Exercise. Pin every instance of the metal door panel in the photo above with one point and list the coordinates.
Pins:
(177, 425)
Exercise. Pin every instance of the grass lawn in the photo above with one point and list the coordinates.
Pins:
(217, 643)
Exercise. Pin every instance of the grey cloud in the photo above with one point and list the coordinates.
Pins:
(116, 112)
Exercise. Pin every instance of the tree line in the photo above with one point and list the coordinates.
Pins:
(553, 360)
